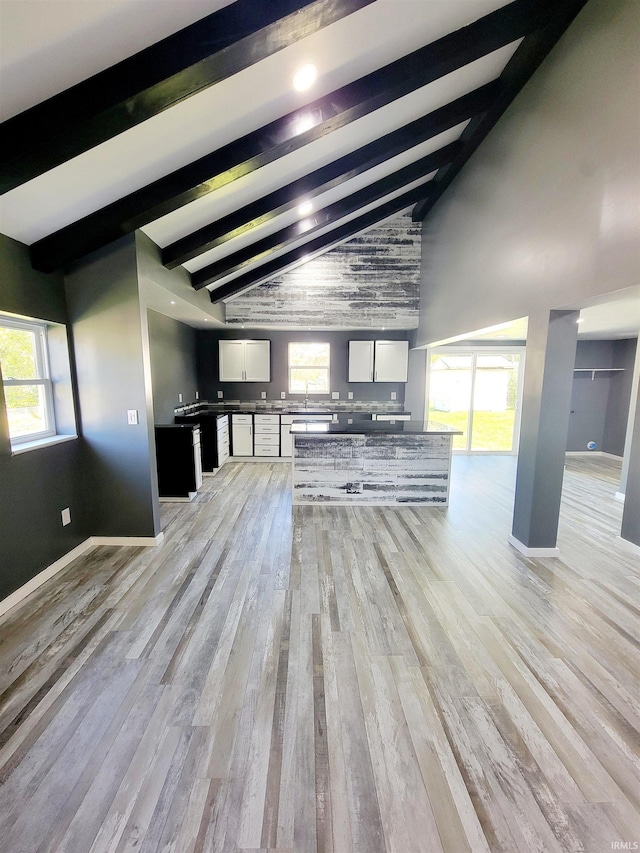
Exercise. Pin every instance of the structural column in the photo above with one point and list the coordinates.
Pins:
(551, 353)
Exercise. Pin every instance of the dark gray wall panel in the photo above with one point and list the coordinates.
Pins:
(369, 282)
(615, 430)
(35, 486)
(207, 347)
(109, 333)
(173, 365)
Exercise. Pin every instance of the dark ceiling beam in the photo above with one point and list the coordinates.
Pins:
(284, 135)
(162, 75)
(262, 249)
(321, 244)
(332, 175)
(530, 53)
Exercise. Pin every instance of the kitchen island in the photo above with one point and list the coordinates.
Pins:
(372, 463)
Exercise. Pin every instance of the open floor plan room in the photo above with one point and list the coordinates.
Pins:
(331, 679)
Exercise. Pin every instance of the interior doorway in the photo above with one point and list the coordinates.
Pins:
(478, 391)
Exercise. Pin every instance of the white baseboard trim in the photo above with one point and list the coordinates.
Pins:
(46, 574)
(630, 546)
(619, 496)
(532, 552)
(593, 453)
(178, 500)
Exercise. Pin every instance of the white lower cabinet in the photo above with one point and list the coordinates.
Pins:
(286, 444)
(242, 435)
(222, 439)
(267, 435)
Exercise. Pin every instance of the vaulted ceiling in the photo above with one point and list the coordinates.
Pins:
(181, 119)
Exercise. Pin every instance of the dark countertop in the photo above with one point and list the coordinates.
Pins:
(212, 411)
(341, 427)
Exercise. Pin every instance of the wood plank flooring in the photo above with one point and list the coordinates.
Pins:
(333, 679)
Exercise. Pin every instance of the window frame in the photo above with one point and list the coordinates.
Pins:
(326, 367)
(43, 379)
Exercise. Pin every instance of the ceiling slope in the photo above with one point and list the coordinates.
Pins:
(283, 135)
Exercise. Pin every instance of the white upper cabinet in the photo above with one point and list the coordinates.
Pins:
(378, 361)
(245, 361)
(391, 361)
(360, 361)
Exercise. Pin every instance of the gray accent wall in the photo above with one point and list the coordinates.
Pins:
(34, 486)
(173, 365)
(545, 213)
(370, 281)
(112, 355)
(208, 369)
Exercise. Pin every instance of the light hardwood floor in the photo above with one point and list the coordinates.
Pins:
(332, 679)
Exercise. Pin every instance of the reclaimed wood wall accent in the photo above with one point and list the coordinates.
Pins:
(370, 282)
(385, 470)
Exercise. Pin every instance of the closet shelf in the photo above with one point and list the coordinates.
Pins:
(594, 370)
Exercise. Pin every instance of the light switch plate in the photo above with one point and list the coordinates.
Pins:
(335, 395)
(66, 516)
(283, 395)
(263, 395)
(393, 395)
(350, 395)
(132, 417)
(219, 395)
(197, 395)
(179, 398)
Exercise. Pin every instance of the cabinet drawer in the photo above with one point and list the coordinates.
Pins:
(267, 419)
(267, 439)
(266, 429)
(223, 422)
(222, 458)
(242, 419)
(266, 450)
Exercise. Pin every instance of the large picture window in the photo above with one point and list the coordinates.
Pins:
(309, 368)
(26, 380)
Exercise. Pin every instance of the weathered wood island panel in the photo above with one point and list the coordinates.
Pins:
(374, 464)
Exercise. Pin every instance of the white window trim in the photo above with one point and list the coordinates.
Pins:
(42, 366)
(326, 367)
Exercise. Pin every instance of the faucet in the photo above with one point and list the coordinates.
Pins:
(306, 394)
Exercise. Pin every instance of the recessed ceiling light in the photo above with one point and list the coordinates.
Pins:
(305, 208)
(580, 320)
(172, 302)
(305, 77)
(206, 320)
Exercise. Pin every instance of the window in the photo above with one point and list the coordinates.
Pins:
(26, 380)
(308, 368)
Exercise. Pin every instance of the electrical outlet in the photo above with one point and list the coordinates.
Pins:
(219, 395)
(263, 395)
(283, 395)
(66, 516)
(350, 395)
(335, 395)
(393, 395)
(179, 398)
(349, 420)
(132, 417)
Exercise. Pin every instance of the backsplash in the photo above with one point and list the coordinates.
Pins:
(390, 407)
